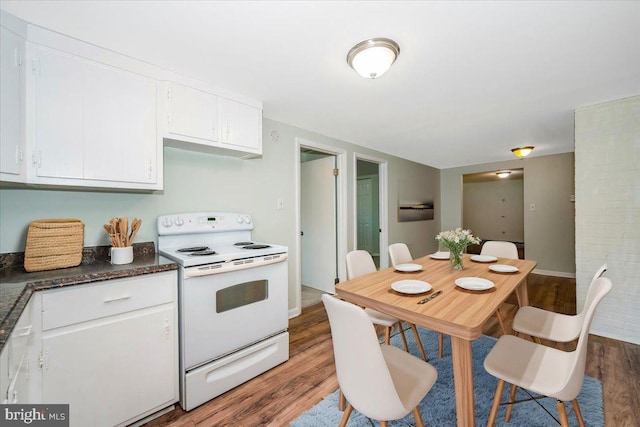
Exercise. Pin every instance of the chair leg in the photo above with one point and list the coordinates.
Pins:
(418, 341)
(576, 409)
(387, 335)
(496, 404)
(384, 423)
(562, 412)
(504, 331)
(512, 397)
(342, 401)
(440, 344)
(345, 416)
(404, 339)
(418, 417)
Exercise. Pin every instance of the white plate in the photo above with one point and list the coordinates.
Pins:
(408, 268)
(503, 268)
(474, 283)
(483, 258)
(411, 286)
(440, 255)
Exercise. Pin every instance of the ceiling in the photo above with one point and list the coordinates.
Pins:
(473, 79)
(491, 176)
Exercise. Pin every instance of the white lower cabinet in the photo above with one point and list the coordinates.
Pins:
(110, 349)
(16, 361)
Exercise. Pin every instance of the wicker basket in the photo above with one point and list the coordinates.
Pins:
(54, 243)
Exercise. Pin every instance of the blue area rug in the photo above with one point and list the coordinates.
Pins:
(438, 407)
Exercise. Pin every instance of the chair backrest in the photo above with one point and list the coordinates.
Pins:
(600, 272)
(362, 372)
(597, 291)
(592, 289)
(359, 263)
(399, 254)
(500, 249)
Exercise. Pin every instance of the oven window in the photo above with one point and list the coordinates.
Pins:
(241, 294)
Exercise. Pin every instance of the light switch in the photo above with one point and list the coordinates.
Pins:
(280, 204)
(532, 207)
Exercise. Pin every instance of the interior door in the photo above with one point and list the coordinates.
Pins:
(318, 223)
(365, 215)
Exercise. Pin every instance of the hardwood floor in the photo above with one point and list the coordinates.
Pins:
(278, 396)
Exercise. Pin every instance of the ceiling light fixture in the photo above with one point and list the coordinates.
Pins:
(503, 174)
(522, 151)
(372, 58)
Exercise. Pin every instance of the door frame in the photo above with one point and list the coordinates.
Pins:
(341, 212)
(383, 204)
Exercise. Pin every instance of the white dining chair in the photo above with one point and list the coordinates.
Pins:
(539, 323)
(390, 384)
(500, 249)
(399, 253)
(359, 263)
(541, 369)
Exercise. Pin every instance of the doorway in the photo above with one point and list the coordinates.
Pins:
(371, 208)
(493, 207)
(320, 220)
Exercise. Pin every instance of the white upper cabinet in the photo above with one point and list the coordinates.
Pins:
(12, 50)
(202, 121)
(241, 125)
(192, 113)
(92, 124)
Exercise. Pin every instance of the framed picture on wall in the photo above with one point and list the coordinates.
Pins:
(415, 211)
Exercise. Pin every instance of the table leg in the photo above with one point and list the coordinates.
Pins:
(463, 379)
(522, 293)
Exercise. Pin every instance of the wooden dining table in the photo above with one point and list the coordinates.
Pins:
(457, 312)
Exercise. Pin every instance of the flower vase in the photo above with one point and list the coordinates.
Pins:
(455, 258)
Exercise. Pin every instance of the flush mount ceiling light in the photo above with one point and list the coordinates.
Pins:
(503, 174)
(372, 58)
(522, 151)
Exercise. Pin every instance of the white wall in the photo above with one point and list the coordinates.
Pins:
(549, 231)
(608, 212)
(197, 182)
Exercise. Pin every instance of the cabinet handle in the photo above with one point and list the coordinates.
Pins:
(117, 298)
(24, 334)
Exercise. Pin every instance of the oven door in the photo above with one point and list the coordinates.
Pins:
(222, 313)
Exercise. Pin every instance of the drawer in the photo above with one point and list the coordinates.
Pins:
(67, 306)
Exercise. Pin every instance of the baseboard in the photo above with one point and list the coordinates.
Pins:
(295, 312)
(554, 273)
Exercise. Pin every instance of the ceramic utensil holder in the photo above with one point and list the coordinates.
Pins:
(122, 255)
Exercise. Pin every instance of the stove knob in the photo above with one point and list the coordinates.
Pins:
(179, 222)
(239, 219)
(247, 219)
(167, 222)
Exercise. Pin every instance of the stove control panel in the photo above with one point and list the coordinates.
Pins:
(203, 222)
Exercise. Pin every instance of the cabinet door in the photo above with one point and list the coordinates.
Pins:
(192, 113)
(241, 125)
(112, 369)
(102, 130)
(58, 114)
(11, 94)
(203, 115)
(139, 129)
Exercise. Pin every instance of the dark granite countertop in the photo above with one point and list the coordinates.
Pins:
(17, 286)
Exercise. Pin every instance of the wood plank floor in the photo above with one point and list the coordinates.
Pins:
(278, 396)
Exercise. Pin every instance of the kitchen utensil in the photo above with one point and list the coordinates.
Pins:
(430, 297)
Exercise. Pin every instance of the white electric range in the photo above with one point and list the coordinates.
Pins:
(233, 301)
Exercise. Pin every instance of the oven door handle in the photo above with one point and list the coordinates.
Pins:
(241, 264)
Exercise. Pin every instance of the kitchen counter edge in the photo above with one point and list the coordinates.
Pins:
(16, 294)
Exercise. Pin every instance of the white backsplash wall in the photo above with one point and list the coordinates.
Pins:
(608, 212)
(202, 182)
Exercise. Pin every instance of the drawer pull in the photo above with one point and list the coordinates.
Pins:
(117, 298)
(27, 330)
